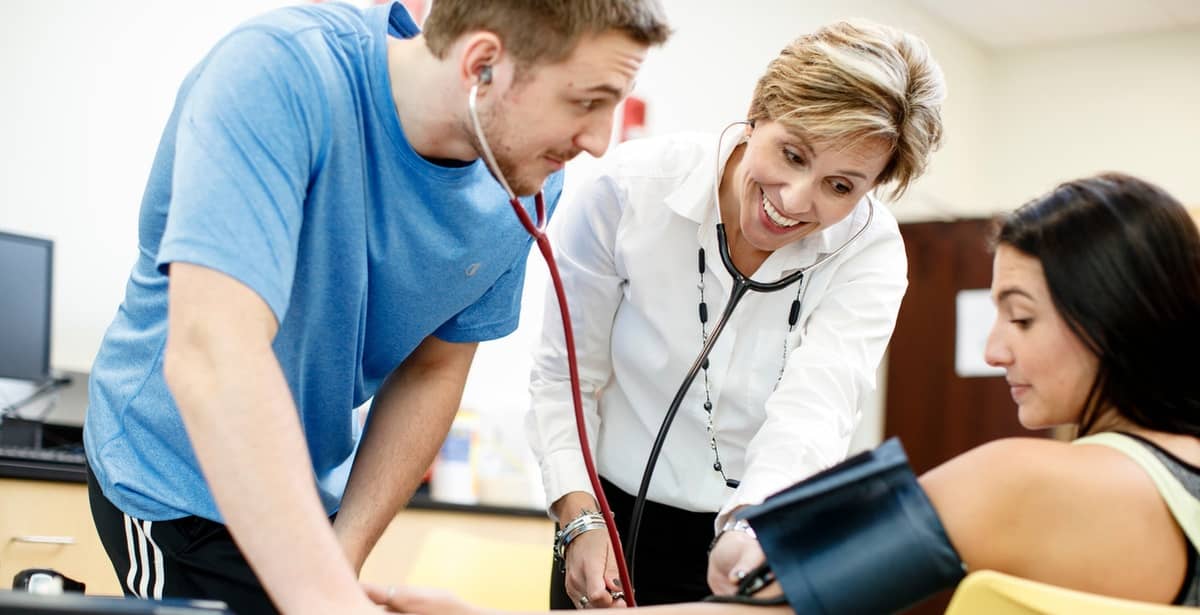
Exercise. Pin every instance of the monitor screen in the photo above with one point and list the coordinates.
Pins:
(26, 267)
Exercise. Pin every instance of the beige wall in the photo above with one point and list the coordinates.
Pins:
(1126, 104)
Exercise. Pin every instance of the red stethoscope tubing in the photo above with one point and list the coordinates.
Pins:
(538, 232)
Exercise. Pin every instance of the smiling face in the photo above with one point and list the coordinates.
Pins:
(552, 112)
(1048, 368)
(785, 188)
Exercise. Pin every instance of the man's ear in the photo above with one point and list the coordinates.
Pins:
(480, 52)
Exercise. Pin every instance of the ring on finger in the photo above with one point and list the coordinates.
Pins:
(583, 601)
(617, 595)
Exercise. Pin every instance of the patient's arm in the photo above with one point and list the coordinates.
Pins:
(1082, 517)
(421, 601)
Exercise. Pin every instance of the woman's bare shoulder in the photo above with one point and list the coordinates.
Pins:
(1060, 513)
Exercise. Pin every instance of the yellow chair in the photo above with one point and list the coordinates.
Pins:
(987, 592)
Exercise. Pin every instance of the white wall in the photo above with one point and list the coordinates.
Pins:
(88, 86)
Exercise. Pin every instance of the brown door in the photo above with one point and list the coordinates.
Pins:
(935, 413)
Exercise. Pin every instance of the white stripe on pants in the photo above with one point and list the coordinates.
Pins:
(142, 554)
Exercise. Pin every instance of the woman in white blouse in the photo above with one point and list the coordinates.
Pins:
(839, 113)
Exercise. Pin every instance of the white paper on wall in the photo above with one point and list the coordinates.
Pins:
(975, 315)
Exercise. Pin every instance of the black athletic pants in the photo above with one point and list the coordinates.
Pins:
(181, 558)
(671, 564)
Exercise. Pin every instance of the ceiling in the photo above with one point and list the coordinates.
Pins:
(1008, 24)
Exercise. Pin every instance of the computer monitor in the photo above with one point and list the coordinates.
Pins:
(26, 270)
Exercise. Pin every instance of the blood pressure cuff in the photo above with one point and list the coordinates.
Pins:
(860, 537)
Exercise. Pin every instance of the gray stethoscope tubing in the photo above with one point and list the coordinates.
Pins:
(538, 232)
(486, 77)
(741, 284)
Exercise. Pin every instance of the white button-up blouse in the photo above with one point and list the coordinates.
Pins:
(627, 248)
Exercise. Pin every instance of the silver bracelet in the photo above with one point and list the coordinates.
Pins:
(586, 521)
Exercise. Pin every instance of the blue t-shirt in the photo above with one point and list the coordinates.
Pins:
(284, 165)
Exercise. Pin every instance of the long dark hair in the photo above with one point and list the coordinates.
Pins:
(1122, 261)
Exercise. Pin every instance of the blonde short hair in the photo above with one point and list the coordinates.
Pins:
(851, 81)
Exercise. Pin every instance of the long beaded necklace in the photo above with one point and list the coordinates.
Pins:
(793, 317)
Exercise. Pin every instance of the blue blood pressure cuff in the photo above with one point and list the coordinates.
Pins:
(860, 537)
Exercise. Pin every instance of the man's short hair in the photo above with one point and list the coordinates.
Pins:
(543, 31)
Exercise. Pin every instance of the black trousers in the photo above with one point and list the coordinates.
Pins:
(189, 557)
(671, 563)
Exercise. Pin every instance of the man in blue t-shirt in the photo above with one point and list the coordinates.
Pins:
(318, 230)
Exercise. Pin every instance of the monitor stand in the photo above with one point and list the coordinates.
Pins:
(59, 423)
